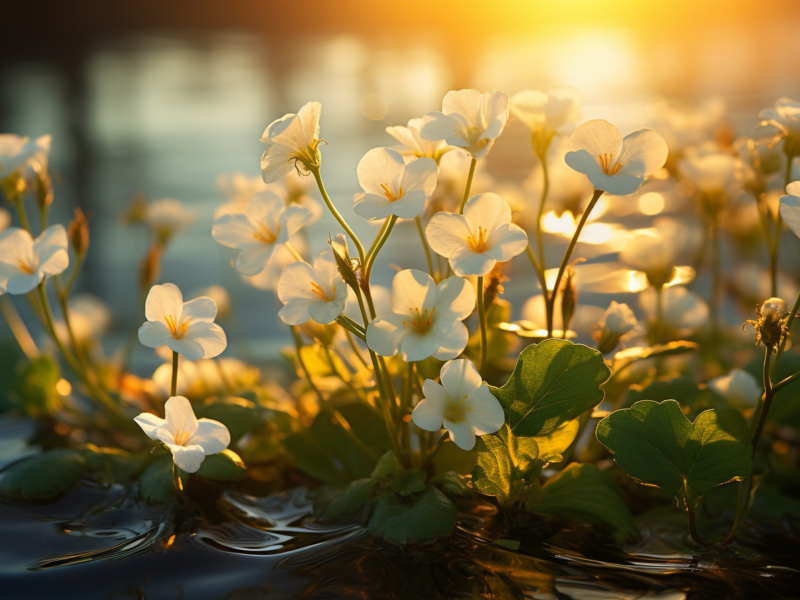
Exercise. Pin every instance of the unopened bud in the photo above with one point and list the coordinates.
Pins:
(493, 286)
(347, 266)
(151, 267)
(136, 210)
(618, 320)
(44, 190)
(770, 326)
(569, 296)
(78, 233)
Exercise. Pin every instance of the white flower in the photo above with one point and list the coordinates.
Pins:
(781, 121)
(547, 111)
(612, 163)
(265, 225)
(290, 139)
(25, 262)
(381, 298)
(392, 187)
(790, 207)
(682, 126)
(683, 310)
(453, 173)
(168, 217)
(189, 440)
(413, 145)
(268, 278)
(463, 404)
(312, 291)
(469, 120)
(710, 171)
(425, 319)
(220, 296)
(237, 188)
(739, 387)
(89, 316)
(188, 328)
(475, 241)
(17, 152)
(619, 319)
(654, 251)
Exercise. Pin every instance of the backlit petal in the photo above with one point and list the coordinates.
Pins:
(209, 335)
(456, 296)
(149, 424)
(188, 458)
(461, 433)
(447, 233)
(154, 334)
(234, 230)
(597, 137)
(163, 301)
(460, 378)
(790, 211)
(385, 333)
(412, 289)
(645, 149)
(199, 309)
(483, 411)
(212, 436)
(180, 416)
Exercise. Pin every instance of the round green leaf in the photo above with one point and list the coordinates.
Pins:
(45, 476)
(223, 466)
(416, 519)
(156, 485)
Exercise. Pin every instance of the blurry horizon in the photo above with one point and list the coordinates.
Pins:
(161, 98)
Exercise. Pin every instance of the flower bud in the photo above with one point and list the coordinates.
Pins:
(769, 325)
(347, 266)
(44, 190)
(78, 233)
(569, 297)
(136, 211)
(618, 320)
(494, 285)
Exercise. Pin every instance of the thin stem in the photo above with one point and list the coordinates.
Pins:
(434, 449)
(545, 189)
(782, 384)
(428, 256)
(176, 479)
(23, 216)
(716, 275)
(294, 252)
(335, 213)
(789, 322)
(378, 238)
(63, 300)
(73, 275)
(173, 390)
(17, 327)
(568, 255)
(373, 254)
(469, 185)
(542, 282)
(351, 326)
(760, 416)
(693, 530)
(354, 347)
(482, 321)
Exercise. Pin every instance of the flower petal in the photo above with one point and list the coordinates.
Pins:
(188, 458)
(483, 411)
(149, 424)
(447, 233)
(309, 116)
(200, 309)
(154, 334)
(416, 346)
(583, 162)
(412, 289)
(372, 206)
(460, 378)
(437, 126)
(275, 163)
(466, 103)
(180, 416)
(409, 206)
(326, 312)
(295, 282)
(210, 336)
(461, 433)
(385, 333)
(429, 413)
(466, 262)
(489, 211)
(163, 301)
(212, 436)
(456, 297)
(420, 175)
(506, 242)
(452, 337)
(22, 284)
(597, 137)
(621, 184)
(234, 230)
(254, 258)
(790, 210)
(380, 166)
(643, 150)
(293, 220)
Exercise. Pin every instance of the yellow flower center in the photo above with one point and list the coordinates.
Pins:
(181, 438)
(420, 321)
(322, 294)
(174, 329)
(605, 162)
(456, 413)
(387, 191)
(265, 235)
(477, 243)
(25, 267)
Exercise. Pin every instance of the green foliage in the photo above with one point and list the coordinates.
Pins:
(505, 459)
(416, 519)
(35, 386)
(657, 445)
(224, 466)
(557, 441)
(344, 503)
(452, 484)
(693, 396)
(584, 494)
(400, 480)
(553, 382)
(45, 476)
(451, 458)
(113, 465)
(10, 357)
(156, 484)
(239, 415)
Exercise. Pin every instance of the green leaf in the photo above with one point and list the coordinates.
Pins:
(240, 416)
(408, 482)
(333, 439)
(346, 503)
(35, 386)
(553, 382)
(555, 443)
(387, 465)
(45, 476)
(10, 357)
(584, 494)
(113, 465)
(657, 351)
(224, 466)
(416, 519)
(156, 485)
(657, 445)
(312, 459)
(504, 458)
(452, 484)
(367, 425)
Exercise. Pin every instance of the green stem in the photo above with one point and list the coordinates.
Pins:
(23, 216)
(354, 347)
(335, 213)
(176, 480)
(542, 282)
(378, 238)
(469, 185)
(298, 345)
(173, 390)
(374, 253)
(567, 256)
(351, 326)
(693, 530)
(17, 327)
(434, 449)
(545, 189)
(295, 253)
(74, 274)
(428, 256)
(716, 276)
(482, 321)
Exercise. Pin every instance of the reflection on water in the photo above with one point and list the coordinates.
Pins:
(166, 114)
(95, 543)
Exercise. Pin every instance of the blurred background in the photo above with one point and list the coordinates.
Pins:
(161, 97)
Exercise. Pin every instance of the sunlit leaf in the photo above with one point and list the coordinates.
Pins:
(223, 466)
(553, 382)
(45, 476)
(156, 484)
(657, 445)
(347, 502)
